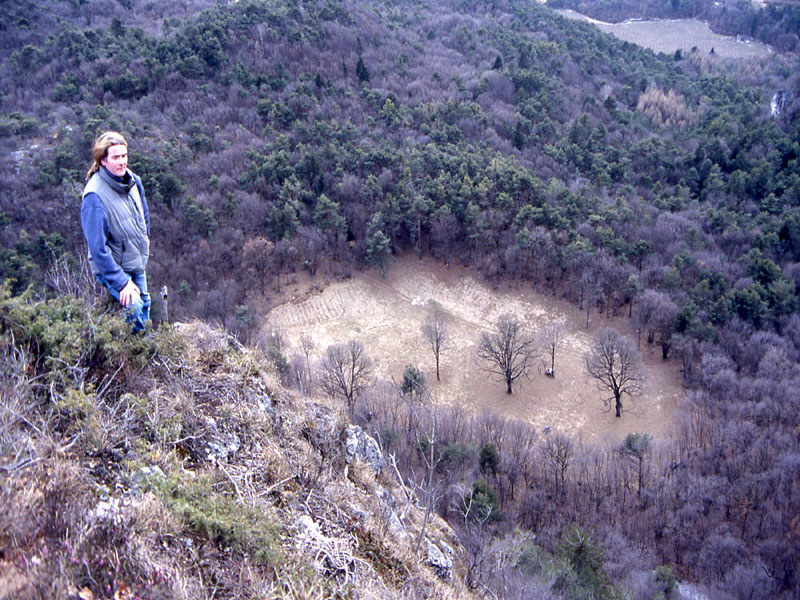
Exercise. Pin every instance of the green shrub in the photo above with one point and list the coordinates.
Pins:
(217, 517)
(456, 453)
(667, 583)
(489, 459)
(481, 502)
(71, 343)
(585, 576)
(533, 561)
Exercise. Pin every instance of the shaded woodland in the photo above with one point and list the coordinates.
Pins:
(331, 136)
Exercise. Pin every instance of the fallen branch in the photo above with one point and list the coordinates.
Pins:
(269, 490)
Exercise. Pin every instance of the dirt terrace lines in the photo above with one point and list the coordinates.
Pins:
(386, 315)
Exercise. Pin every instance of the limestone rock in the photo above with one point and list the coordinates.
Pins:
(221, 446)
(331, 556)
(389, 513)
(442, 562)
(360, 445)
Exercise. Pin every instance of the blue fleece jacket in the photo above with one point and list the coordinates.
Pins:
(94, 222)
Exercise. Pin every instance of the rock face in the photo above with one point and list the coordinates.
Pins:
(780, 101)
(220, 445)
(358, 444)
(442, 562)
(389, 512)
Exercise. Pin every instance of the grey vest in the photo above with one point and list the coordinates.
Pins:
(127, 230)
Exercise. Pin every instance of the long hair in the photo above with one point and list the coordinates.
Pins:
(100, 149)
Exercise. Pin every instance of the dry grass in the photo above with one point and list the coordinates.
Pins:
(671, 36)
(387, 314)
(180, 477)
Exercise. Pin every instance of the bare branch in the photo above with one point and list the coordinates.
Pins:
(436, 332)
(509, 352)
(346, 371)
(616, 365)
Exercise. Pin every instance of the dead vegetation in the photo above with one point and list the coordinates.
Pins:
(176, 466)
(664, 109)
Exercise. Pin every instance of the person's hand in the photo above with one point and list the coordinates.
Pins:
(129, 294)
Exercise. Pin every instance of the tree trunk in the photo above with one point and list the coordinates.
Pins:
(641, 477)
(618, 403)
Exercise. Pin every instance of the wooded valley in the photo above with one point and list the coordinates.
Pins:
(323, 137)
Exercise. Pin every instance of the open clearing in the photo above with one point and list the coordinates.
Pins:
(667, 36)
(386, 315)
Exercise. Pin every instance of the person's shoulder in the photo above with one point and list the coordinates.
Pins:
(90, 199)
(91, 185)
(138, 184)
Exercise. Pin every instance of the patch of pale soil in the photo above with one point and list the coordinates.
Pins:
(676, 34)
(387, 314)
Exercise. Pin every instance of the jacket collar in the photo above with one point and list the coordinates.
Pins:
(121, 185)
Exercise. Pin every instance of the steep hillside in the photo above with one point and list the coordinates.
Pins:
(177, 467)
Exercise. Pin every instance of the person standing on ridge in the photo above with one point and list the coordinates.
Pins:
(116, 224)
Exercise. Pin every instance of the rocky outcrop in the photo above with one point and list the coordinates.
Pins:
(388, 506)
(331, 556)
(441, 561)
(359, 445)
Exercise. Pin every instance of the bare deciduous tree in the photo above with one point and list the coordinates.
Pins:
(307, 347)
(559, 452)
(616, 365)
(428, 444)
(551, 337)
(436, 333)
(655, 316)
(346, 371)
(518, 458)
(509, 352)
(257, 257)
(444, 231)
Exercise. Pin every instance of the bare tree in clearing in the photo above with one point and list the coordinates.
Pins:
(551, 337)
(306, 347)
(346, 371)
(509, 352)
(436, 333)
(616, 365)
(559, 454)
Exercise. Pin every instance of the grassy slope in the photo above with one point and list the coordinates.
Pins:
(176, 467)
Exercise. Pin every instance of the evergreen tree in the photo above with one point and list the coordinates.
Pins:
(361, 71)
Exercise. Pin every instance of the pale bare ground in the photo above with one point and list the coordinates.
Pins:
(387, 314)
(681, 34)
